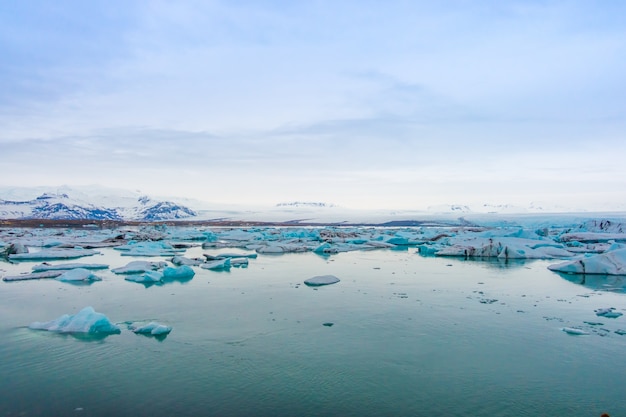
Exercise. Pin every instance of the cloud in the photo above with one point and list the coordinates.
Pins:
(358, 102)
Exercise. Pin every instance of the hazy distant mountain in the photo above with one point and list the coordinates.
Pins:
(74, 205)
(305, 204)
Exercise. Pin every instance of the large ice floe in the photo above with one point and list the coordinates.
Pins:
(611, 262)
(85, 321)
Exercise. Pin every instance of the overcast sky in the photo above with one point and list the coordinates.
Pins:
(364, 104)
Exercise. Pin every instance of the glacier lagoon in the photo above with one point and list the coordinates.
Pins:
(400, 334)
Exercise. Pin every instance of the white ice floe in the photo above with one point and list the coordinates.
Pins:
(612, 262)
(153, 328)
(85, 321)
(321, 280)
(137, 267)
(148, 277)
(217, 265)
(574, 331)
(49, 267)
(33, 275)
(181, 260)
(148, 248)
(78, 275)
(53, 254)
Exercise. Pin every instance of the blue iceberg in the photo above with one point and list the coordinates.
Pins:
(85, 321)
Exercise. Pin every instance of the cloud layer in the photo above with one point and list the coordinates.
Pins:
(364, 104)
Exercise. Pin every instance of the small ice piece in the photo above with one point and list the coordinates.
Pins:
(321, 280)
(147, 277)
(85, 321)
(78, 274)
(608, 312)
(574, 331)
(182, 272)
(152, 328)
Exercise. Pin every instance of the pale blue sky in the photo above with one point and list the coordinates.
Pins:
(365, 104)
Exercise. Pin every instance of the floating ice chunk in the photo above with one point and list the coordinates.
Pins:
(78, 274)
(218, 264)
(48, 267)
(325, 248)
(13, 248)
(148, 248)
(574, 331)
(609, 263)
(271, 249)
(137, 267)
(85, 321)
(321, 280)
(181, 260)
(608, 312)
(236, 255)
(153, 328)
(34, 275)
(53, 254)
(149, 277)
(181, 273)
(239, 262)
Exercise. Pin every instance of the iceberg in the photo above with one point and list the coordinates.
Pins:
(219, 264)
(149, 277)
(78, 275)
(153, 328)
(53, 254)
(321, 280)
(181, 260)
(137, 267)
(48, 267)
(85, 321)
(148, 248)
(33, 275)
(612, 262)
(182, 272)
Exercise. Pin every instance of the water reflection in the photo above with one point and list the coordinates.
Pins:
(612, 283)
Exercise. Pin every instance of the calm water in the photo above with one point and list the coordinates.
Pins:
(410, 337)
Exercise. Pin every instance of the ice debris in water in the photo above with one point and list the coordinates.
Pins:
(153, 328)
(321, 280)
(608, 312)
(85, 321)
(77, 275)
(574, 331)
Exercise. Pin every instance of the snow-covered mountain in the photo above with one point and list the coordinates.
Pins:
(308, 204)
(74, 206)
